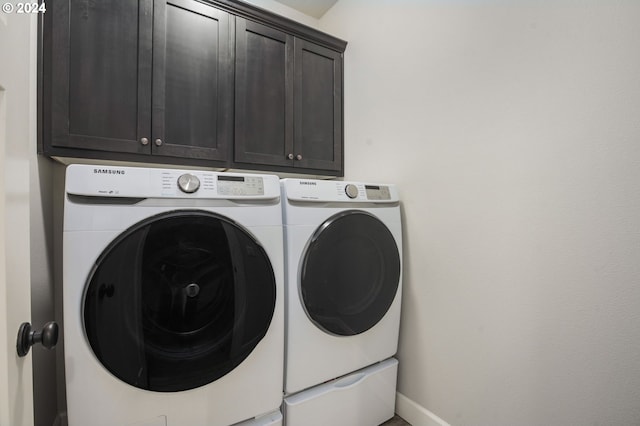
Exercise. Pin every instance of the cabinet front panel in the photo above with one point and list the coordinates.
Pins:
(263, 94)
(317, 105)
(104, 51)
(318, 126)
(99, 97)
(191, 81)
(265, 84)
(191, 78)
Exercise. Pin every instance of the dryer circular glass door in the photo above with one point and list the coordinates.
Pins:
(350, 273)
(178, 301)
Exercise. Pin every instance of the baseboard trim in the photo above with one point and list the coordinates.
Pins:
(416, 414)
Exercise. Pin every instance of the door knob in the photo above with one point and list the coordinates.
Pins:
(28, 337)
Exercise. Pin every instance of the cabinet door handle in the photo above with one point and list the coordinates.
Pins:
(144, 141)
(158, 142)
(299, 157)
(290, 156)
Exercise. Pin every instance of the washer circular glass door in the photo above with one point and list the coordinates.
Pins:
(350, 273)
(178, 301)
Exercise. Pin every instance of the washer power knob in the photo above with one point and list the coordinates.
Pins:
(351, 190)
(188, 183)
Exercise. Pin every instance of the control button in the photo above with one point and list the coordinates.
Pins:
(188, 183)
(351, 190)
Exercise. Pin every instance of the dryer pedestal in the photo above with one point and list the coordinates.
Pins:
(363, 398)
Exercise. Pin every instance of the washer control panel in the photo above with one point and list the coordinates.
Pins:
(240, 185)
(138, 182)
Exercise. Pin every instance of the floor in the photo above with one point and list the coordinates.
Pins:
(395, 421)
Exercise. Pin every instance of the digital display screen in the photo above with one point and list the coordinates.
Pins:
(231, 178)
(375, 192)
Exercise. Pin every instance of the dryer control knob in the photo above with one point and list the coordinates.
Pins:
(351, 190)
(188, 183)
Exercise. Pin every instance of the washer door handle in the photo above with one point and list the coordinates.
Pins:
(28, 337)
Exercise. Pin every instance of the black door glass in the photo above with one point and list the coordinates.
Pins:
(350, 273)
(178, 301)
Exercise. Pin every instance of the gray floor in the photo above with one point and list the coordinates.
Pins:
(396, 421)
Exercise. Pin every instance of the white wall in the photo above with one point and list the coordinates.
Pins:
(513, 131)
(286, 11)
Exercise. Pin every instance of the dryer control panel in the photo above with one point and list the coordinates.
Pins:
(339, 191)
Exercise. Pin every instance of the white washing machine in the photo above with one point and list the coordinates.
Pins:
(343, 263)
(173, 297)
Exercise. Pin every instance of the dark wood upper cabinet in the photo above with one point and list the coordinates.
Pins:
(192, 81)
(264, 95)
(288, 101)
(318, 107)
(143, 77)
(99, 99)
(216, 83)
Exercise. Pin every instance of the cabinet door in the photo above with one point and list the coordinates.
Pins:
(100, 84)
(318, 107)
(264, 95)
(192, 81)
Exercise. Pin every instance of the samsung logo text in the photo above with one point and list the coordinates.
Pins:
(108, 172)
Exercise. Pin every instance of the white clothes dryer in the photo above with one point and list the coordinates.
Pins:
(173, 297)
(343, 263)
